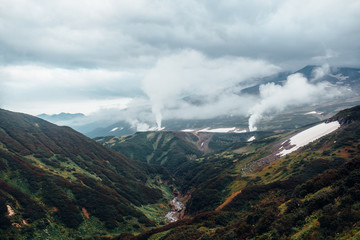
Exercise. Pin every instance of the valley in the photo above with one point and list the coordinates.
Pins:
(235, 186)
(179, 120)
(177, 207)
(176, 184)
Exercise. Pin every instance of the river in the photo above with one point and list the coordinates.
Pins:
(177, 207)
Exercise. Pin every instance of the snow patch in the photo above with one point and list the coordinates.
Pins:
(188, 130)
(251, 139)
(220, 130)
(217, 130)
(309, 135)
(223, 130)
(312, 112)
(240, 131)
(114, 129)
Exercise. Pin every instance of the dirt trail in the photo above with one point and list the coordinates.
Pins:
(228, 200)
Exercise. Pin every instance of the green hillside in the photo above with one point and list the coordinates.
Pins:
(169, 149)
(172, 148)
(63, 185)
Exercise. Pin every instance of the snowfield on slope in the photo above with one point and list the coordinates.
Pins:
(114, 129)
(251, 139)
(307, 136)
(313, 112)
(217, 130)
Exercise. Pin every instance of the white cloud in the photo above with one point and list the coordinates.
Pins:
(320, 72)
(190, 73)
(296, 91)
(56, 53)
(36, 89)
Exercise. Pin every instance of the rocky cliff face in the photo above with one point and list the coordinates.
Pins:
(347, 116)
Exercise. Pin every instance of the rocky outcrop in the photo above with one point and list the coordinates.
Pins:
(347, 116)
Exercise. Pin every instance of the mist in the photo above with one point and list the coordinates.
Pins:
(296, 91)
(213, 82)
(188, 85)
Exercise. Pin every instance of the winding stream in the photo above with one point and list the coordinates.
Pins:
(177, 207)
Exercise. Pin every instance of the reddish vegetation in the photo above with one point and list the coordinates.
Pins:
(54, 209)
(85, 212)
(228, 200)
(16, 225)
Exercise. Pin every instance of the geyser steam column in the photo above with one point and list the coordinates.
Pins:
(156, 100)
(253, 119)
(171, 76)
(190, 73)
(156, 109)
(157, 89)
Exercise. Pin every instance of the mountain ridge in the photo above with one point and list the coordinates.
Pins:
(70, 179)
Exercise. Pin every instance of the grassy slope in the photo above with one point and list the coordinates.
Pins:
(169, 149)
(62, 184)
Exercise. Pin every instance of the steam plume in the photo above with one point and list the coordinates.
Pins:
(190, 73)
(296, 91)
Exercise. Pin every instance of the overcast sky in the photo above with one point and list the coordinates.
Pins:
(86, 55)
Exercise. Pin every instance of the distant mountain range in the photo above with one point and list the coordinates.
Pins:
(60, 117)
(117, 129)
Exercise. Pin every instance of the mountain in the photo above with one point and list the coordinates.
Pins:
(291, 184)
(175, 150)
(169, 149)
(56, 183)
(118, 129)
(61, 117)
(251, 190)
